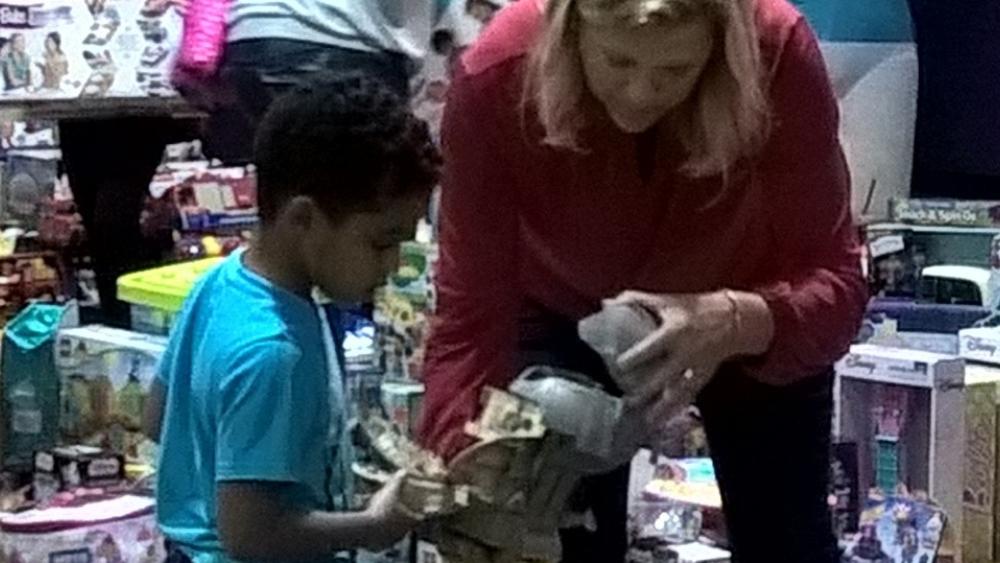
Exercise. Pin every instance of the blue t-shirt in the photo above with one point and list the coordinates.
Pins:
(249, 398)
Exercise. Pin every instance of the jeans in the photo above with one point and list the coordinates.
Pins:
(255, 72)
(771, 448)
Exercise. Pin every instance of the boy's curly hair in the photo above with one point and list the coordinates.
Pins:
(348, 142)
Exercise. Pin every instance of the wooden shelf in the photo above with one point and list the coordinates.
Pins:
(95, 108)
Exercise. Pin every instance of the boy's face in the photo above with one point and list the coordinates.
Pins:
(351, 257)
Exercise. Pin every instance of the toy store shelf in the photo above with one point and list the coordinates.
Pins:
(933, 229)
(94, 108)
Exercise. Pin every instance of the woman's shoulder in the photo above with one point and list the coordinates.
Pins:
(507, 39)
(779, 23)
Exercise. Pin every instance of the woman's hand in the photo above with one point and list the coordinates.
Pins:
(697, 333)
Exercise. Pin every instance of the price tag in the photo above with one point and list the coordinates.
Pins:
(889, 244)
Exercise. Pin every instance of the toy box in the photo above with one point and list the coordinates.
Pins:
(27, 182)
(402, 310)
(980, 344)
(217, 199)
(696, 553)
(33, 276)
(110, 529)
(907, 411)
(157, 295)
(106, 374)
(30, 385)
(982, 513)
(71, 467)
(402, 402)
(946, 212)
(897, 530)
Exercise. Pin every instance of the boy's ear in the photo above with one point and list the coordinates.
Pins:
(300, 211)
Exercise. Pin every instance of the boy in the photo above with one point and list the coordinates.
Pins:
(344, 173)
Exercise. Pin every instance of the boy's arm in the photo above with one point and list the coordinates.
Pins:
(255, 525)
(152, 413)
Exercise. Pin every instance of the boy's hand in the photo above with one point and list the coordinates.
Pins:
(389, 523)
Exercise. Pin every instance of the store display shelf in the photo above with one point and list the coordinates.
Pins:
(94, 108)
(933, 229)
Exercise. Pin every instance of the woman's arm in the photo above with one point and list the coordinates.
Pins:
(803, 318)
(818, 294)
(474, 331)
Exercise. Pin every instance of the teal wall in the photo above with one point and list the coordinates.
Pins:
(859, 20)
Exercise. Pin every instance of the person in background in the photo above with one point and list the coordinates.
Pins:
(679, 156)
(243, 405)
(272, 46)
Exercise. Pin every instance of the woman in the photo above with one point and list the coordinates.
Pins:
(677, 154)
(56, 65)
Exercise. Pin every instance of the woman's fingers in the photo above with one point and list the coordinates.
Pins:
(643, 299)
(666, 376)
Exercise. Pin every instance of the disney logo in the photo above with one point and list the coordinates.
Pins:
(980, 345)
(857, 362)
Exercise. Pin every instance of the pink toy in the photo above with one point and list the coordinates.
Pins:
(204, 38)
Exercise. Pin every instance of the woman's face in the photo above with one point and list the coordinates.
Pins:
(50, 45)
(17, 43)
(641, 73)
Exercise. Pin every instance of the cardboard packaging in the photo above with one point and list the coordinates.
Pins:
(906, 410)
(980, 345)
(106, 374)
(402, 402)
(696, 553)
(946, 212)
(71, 467)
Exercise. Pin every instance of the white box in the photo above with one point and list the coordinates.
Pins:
(980, 344)
(697, 553)
(906, 410)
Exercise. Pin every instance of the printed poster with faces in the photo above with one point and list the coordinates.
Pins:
(66, 49)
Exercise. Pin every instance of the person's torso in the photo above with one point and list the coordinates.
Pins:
(400, 26)
(590, 225)
(233, 309)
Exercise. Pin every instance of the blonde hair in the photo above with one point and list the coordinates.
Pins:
(727, 117)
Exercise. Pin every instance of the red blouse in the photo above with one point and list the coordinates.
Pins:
(523, 223)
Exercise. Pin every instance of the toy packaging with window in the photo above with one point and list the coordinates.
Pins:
(907, 411)
(71, 467)
(106, 374)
